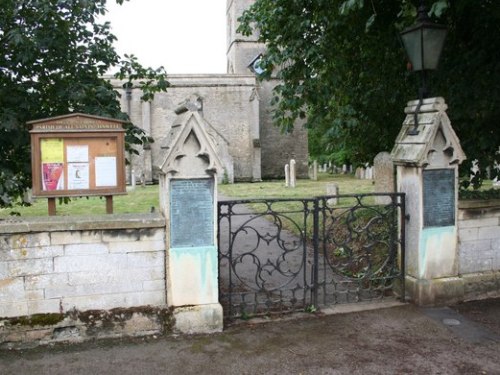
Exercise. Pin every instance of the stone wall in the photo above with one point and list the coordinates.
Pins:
(479, 247)
(227, 106)
(66, 266)
(278, 148)
(238, 113)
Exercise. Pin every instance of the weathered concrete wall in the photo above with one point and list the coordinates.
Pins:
(81, 263)
(479, 247)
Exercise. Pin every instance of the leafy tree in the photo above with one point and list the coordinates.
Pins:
(342, 65)
(54, 56)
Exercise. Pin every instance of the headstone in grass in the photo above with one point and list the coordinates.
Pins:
(314, 174)
(332, 189)
(357, 172)
(369, 173)
(384, 176)
(132, 180)
(293, 178)
(287, 175)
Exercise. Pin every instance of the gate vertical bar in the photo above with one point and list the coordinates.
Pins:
(315, 286)
(305, 218)
(230, 258)
(403, 246)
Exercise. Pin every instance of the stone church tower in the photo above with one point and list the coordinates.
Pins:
(233, 108)
(276, 148)
(241, 50)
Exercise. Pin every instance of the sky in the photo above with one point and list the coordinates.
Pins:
(185, 36)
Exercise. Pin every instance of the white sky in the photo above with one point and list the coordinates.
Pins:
(185, 36)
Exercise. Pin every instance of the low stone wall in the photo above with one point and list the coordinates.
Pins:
(90, 272)
(479, 248)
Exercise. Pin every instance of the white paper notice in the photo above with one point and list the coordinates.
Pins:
(78, 176)
(105, 171)
(77, 154)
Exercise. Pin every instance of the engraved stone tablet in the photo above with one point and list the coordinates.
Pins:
(439, 197)
(191, 213)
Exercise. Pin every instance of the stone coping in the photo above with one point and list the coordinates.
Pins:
(75, 223)
(478, 203)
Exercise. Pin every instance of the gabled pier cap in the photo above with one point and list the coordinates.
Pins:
(192, 153)
(436, 143)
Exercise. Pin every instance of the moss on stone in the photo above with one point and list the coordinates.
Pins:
(36, 320)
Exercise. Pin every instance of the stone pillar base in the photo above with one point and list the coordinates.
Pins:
(481, 285)
(435, 292)
(198, 319)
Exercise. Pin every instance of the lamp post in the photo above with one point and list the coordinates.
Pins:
(423, 43)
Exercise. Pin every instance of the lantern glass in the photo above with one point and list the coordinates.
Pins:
(423, 44)
(433, 45)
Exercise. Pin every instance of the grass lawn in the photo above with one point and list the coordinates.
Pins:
(142, 199)
(304, 188)
(139, 200)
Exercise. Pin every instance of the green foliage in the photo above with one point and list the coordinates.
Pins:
(479, 194)
(225, 178)
(342, 64)
(54, 55)
(310, 309)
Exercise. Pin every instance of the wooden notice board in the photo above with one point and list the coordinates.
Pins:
(77, 155)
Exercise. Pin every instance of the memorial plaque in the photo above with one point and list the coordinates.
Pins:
(439, 197)
(191, 213)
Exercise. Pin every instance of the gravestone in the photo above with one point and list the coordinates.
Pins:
(188, 188)
(369, 173)
(384, 176)
(132, 180)
(362, 172)
(332, 189)
(314, 176)
(357, 172)
(293, 178)
(287, 175)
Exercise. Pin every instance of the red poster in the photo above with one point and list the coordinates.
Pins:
(52, 176)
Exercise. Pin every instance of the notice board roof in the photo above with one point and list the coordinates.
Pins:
(76, 122)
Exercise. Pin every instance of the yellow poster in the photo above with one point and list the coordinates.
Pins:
(52, 150)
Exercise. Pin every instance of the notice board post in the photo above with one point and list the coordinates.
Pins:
(77, 155)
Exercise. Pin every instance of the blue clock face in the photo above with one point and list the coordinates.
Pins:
(257, 67)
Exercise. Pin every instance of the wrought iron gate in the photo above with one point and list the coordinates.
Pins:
(285, 255)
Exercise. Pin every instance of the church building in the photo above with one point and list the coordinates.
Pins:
(234, 108)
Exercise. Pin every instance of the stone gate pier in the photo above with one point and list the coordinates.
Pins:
(427, 155)
(188, 188)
